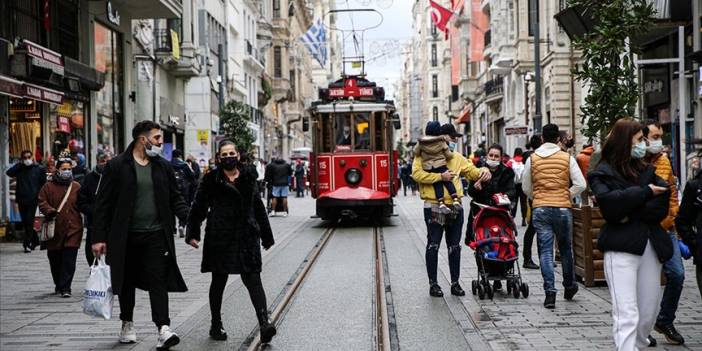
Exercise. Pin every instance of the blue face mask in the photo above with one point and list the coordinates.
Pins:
(639, 150)
(452, 146)
(65, 175)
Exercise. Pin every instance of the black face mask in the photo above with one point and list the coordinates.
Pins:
(229, 163)
(100, 168)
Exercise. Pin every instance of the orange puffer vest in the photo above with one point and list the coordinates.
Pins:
(551, 180)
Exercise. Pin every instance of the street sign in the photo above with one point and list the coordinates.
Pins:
(516, 130)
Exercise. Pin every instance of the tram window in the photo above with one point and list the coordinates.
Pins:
(362, 130)
(379, 131)
(342, 128)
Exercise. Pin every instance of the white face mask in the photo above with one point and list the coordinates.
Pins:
(492, 163)
(153, 150)
(639, 150)
(655, 147)
(27, 162)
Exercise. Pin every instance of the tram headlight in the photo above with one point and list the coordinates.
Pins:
(353, 176)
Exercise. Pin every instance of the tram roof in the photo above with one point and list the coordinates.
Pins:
(347, 106)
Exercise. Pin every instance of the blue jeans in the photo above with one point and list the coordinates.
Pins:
(453, 243)
(675, 277)
(550, 222)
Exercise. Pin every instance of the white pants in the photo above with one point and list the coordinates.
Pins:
(634, 284)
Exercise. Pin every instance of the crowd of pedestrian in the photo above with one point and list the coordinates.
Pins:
(129, 205)
(646, 234)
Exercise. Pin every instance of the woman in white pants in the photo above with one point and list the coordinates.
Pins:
(633, 201)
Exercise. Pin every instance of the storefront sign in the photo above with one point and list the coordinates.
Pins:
(112, 14)
(516, 130)
(203, 136)
(175, 45)
(45, 58)
(12, 87)
(174, 120)
(43, 94)
(63, 125)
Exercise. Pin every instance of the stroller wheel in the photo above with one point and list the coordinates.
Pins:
(515, 289)
(525, 290)
(474, 286)
(481, 292)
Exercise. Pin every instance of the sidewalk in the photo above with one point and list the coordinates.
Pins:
(524, 324)
(32, 319)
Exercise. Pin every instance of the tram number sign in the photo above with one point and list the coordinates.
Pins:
(351, 89)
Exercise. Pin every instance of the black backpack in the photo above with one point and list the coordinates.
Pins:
(181, 180)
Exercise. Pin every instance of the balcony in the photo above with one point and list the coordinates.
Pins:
(143, 9)
(187, 65)
(494, 89)
(252, 57)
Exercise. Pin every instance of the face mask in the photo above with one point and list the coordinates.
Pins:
(639, 150)
(65, 175)
(452, 146)
(100, 168)
(492, 164)
(153, 150)
(655, 147)
(229, 163)
(27, 162)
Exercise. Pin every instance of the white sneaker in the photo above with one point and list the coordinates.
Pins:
(285, 214)
(272, 214)
(127, 335)
(166, 338)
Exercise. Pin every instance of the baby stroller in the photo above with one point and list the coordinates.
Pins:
(496, 250)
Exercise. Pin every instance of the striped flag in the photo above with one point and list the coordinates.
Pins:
(316, 42)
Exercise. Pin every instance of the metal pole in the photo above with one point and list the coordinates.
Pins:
(220, 52)
(682, 102)
(537, 64)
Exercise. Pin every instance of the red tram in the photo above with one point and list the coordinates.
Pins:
(353, 164)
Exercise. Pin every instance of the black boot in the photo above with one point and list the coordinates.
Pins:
(529, 264)
(457, 290)
(267, 329)
(217, 331)
(435, 290)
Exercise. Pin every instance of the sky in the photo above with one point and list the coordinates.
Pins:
(384, 43)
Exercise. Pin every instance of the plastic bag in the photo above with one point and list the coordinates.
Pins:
(97, 296)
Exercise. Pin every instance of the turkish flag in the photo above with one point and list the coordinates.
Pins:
(441, 16)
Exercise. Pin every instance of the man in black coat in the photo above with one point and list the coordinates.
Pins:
(277, 174)
(689, 222)
(185, 178)
(86, 200)
(133, 221)
(30, 178)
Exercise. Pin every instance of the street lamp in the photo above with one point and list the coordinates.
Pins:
(537, 64)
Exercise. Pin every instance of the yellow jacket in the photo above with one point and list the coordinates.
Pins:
(458, 164)
(665, 171)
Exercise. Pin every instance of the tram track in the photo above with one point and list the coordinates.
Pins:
(384, 336)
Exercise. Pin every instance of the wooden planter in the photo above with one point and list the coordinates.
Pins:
(589, 264)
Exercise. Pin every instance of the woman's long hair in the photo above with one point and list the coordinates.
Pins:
(617, 148)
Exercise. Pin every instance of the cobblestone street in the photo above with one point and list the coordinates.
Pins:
(32, 319)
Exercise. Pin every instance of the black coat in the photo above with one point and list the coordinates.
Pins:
(502, 181)
(113, 211)
(30, 179)
(277, 173)
(632, 214)
(689, 220)
(86, 205)
(237, 223)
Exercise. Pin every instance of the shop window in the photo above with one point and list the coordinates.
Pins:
(67, 129)
(25, 128)
(108, 102)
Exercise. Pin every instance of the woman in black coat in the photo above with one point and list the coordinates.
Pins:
(237, 226)
(502, 182)
(633, 202)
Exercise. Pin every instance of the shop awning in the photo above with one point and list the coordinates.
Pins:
(464, 117)
(11, 87)
(20, 89)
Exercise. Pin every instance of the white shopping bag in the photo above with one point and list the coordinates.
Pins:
(97, 296)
